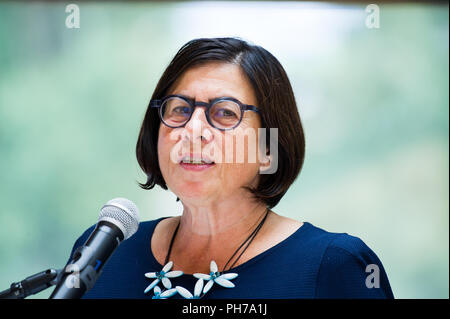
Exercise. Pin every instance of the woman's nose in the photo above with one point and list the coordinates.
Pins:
(198, 124)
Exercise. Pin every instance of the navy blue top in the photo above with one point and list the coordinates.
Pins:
(310, 263)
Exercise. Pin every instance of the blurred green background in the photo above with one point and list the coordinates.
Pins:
(374, 105)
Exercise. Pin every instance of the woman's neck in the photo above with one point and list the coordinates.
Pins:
(220, 220)
(214, 232)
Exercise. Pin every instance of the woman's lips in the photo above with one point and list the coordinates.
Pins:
(196, 167)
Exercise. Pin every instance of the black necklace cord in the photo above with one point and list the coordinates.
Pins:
(249, 240)
(171, 244)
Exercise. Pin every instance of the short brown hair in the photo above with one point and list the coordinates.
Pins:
(275, 98)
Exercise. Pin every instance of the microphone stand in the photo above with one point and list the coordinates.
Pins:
(32, 284)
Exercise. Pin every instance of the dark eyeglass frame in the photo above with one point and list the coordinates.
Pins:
(193, 104)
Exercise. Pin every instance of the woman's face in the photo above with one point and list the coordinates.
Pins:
(224, 178)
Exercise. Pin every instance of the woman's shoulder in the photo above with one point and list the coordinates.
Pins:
(148, 227)
(299, 240)
(328, 249)
(348, 268)
(337, 241)
(145, 229)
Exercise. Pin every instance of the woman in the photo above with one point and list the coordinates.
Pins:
(228, 242)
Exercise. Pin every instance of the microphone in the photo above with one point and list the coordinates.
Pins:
(118, 221)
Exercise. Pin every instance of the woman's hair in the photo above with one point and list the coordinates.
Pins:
(276, 103)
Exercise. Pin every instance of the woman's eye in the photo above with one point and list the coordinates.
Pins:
(225, 113)
(181, 110)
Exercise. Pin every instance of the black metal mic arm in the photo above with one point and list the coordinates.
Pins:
(31, 285)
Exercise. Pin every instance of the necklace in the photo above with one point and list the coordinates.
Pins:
(221, 278)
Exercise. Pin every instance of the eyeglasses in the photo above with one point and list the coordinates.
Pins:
(223, 113)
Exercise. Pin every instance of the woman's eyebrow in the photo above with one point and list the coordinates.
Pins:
(220, 96)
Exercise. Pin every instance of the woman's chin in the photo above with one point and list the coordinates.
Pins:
(191, 192)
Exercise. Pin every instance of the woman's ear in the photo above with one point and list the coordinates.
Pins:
(269, 162)
(265, 162)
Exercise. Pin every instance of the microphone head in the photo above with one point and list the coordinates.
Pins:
(123, 213)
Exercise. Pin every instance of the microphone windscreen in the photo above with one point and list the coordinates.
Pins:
(123, 213)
